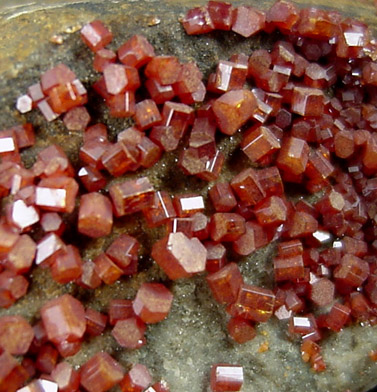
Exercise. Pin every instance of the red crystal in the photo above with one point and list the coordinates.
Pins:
(247, 186)
(161, 210)
(136, 52)
(226, 377)
(147, 114)
(289, 268)
(16, 335)
(228, 76)
(136, 380)
(152, 302)
(254, 303)
(271, 211)
(95, 322)
(118, 78)
(352, 271)
(233, 109)
(103, 58)
(338, 317)
(248, 21)
(120, 309)
(241, 330)
(222, 197)
(77, 119)
(89, 278)
(46, 359)
(322, 291)
(188, 204)
(56, 194)
(52, 222)
(131, 196)
(259, 142)
(67, 378)
(308, 101)
(56, 76)
(92, 150)
(123, 250)
(48, 249)
(64, 319)
(96, 35)
(179, 256)
(302, 224)
(68, 266)
(101, 373)
(216, 256)
(164, 69)
(122, 105)
(226, 226)
(283, 15)
(220, 14)
(197, 21)
(20, 258)
(159, 93)
(108, 271)
(95, 215)
(12, 374)
(91, 178)
(67, 96)
(225, 283)
(129, 333)
(293, 156)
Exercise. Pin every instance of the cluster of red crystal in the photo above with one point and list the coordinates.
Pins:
(324, 268)
(299, 135)
(58, 92)
(64, 321)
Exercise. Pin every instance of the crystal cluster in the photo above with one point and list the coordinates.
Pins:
(292, 131)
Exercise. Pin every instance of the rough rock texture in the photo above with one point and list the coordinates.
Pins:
(182, 348)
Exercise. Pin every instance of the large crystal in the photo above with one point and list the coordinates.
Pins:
(95, 215)
(100, 373)
(16, 335)
(131, 196)
(225, 283)
(180, 256)
(233, 109)
(64, 319)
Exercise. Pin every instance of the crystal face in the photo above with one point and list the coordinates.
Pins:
(131, 196)
(64, 319)
(226, 377)
(180, 256)
(152, 302)
(95, 215)
(225, 283)
(101, 373)
(233, 109)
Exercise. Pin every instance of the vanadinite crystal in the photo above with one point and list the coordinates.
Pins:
(254, 303)
(100, 373)
(64, 319)
(152, 302)
(16, 334)
(129, 333)
(225, 283)
(131, 196)
(179, 256)
(95, 215)
(137, 379)
(225, 377)
(233, 109)
(301, 112)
